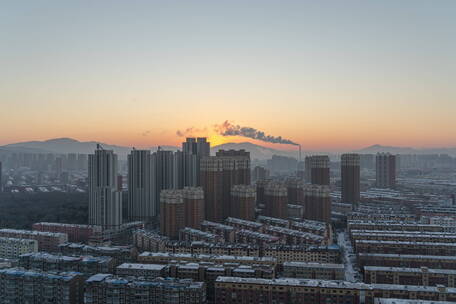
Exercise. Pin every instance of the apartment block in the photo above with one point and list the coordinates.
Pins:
(166, 258)
(317, 169)
(190, 235)
(12, 248)
(121, 254)
(256, 238)
(87, 265)
(411, 236)
(227, 232)
(147, 271)
(294, 237)
(304, 291)
(317, 203)
(317, 254)
(108, 288)
(312, 270)
(407, 301)
(76, 233)
(406, 260)
(385, 170)
(276, 200)
(392, 226)
(422, 276)
(423, 248)
(149, 240)
(243, 202)
(47, 241)
(218, 174)
(213, 248)
(350, 176)
(244, 224)
(26, 286)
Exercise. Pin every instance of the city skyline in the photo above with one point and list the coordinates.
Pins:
(329, 77)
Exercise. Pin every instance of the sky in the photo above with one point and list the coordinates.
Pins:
(328, 75)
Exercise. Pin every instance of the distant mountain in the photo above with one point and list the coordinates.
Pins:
(256, 151)
(405, 150)
(63, 146)
(69, 145)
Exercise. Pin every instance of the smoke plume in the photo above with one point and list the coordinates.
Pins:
(229, 129)
(190, 131)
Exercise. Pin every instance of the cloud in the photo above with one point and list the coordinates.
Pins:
(146, 133)
(190, 131)
(229, 129)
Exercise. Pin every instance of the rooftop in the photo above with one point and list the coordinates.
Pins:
(415, 270)
(32, 232)
(330, 284)
(313, 265)
(138, 266)
(20, 272)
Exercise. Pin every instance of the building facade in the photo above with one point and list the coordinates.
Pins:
(243, 202)
(25, 286)
(12, 248)
(385, 170)
(108, 288)
(317, 203)
(172, 213)
(317, 169)
(218, 174)
(276, 200)
(350, 175)
(105, 201)
(141, 186)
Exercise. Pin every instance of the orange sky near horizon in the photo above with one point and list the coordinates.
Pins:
(310, 139)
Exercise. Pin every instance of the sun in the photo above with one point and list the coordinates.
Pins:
(216, 139)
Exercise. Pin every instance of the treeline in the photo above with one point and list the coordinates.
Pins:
(21, 210)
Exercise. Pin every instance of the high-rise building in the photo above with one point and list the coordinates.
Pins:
(190, 169)
(282, 165)
(301, 170)
(260, 187)
(193, 150)
(307, 169)
(163, 174)
(295, 188)
(259, 173)
(72, 161)
(1, 181)
(82, 161)
(317, 203)
(317, 169)
(367, 161)
(243, 201)
(276, 200)
(218, 174)
(385, 170)
(193, 206)
(59, 166)
(141, 185)
(350, 174)
(198, 146)
(105, 201)
(172, 211)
